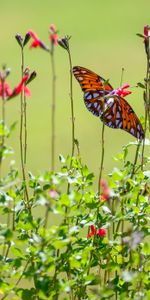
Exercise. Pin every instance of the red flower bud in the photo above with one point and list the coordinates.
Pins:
(101, 232)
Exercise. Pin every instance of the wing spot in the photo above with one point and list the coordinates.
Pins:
(95, 95)
(132, 131)
(118, 115)
(80, 78)
(110, 124)
(138, 127)
(88, 96)
(120, 125)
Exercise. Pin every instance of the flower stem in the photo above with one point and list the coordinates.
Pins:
(102, 159)
(53, 110)
(136, 157)
(147, 104)
(72, 105)
(25, 130)
(3, 122)
(23, 122)
(72, 113)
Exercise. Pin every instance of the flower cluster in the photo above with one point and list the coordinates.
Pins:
(146, 38)
(100, 232)
(121, 92)
(37, 42)
(53, 35)
(5, 90)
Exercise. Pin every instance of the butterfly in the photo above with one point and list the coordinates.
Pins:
(101, 100)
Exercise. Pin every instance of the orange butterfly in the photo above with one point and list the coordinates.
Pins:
(101, 100)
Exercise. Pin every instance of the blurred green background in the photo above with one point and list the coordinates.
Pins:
(103, 40)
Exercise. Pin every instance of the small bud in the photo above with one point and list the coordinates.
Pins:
(26, 39)
(7, 72)
(26, 71)
(19, 40)
(64, 42)
(32, 77)
(52, 28)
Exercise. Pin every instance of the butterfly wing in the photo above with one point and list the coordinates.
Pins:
(94, 87)
(90, 81)
(114, 111)
(119, 114)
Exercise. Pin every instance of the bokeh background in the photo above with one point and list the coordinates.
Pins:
(103, 40)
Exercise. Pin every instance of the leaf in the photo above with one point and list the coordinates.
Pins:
(140, 35)
(141, 85)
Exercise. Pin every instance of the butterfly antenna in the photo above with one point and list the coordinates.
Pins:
(121, 79)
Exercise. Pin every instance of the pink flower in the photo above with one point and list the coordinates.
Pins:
(53, 35)
(7, 91)
(146, 39)
(53, 194)
(101, 232)
(121, 91)
(146, 32)
(36, 41)
(105, 195)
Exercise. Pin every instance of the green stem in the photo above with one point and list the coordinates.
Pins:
(102, 159)
(3, 122)
(136, 158)
(53, 110)
(25, 130)
(72, 114)
(122, 228)
(147, 106)
(72, 105)
(22, 117)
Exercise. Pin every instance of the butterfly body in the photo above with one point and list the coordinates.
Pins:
(101, 100)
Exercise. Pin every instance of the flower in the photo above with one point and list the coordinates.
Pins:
(121, 91)
(92, 231)
(101, 232)
(36, 41)
(53, 35)
(21, 87)
(5, 90)
(146, 32)
(146, 38)
(105, 195)
(53, 194)
(64, 42)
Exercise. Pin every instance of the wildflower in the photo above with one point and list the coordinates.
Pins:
(101, 232)
(21, 87)
(92, 231)
(121, 91)
(5, 90)
(146, 32)
(53, 35)
(64, 42)
(36, 41)
(105, 195)
(53, 194)
(146, 38)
